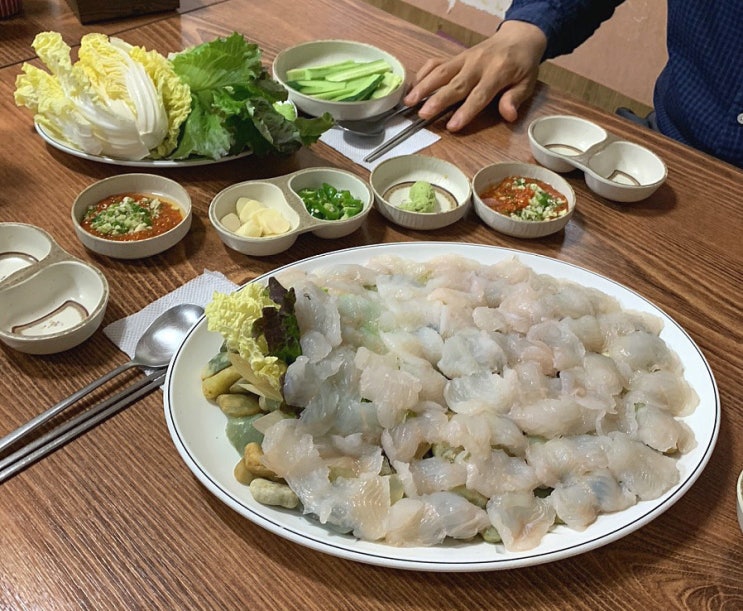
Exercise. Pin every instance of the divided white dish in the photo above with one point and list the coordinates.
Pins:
(616, 169)
(281, 193)
(51, 300)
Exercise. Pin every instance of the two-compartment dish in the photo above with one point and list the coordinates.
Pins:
(51, 300)
(614, 168)
(282, 194)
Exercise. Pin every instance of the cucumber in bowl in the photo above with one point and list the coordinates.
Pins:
(347, 79)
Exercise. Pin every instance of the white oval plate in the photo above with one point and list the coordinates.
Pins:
(135, 163)
(197, 428)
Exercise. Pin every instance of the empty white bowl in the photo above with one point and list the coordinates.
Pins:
(282, 194)
(518, 228)
(51, 300)
(147, 184)
(616, 169)
(555, 139)
(391, 181)
(739, 497)
(624, 172)
(320, 52)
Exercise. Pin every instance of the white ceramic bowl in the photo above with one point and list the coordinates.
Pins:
(321, 52)
(494, 174)
(739, 497)
(281, 193)
(51, 300)
(555, 139)
(625, 172)
(151, 184)
(391, 180)
(616, 169)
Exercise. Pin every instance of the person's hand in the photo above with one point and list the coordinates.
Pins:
(507, 63)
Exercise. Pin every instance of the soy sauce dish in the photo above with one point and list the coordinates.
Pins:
(132, 216)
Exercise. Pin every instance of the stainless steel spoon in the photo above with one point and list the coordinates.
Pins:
(153, 351)
(374, 126)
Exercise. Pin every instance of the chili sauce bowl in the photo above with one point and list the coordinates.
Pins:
(145, 184)
(282, 195)
(616, 169)
(51, 300)
(324, 52)
(493, 174)
(392, 179)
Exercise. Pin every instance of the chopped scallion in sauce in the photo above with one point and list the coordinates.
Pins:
(131, 216)
(527, 199)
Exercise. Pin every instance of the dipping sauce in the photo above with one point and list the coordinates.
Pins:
(131, 216)
(527, 199)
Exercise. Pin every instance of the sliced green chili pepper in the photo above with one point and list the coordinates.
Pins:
(329, 203)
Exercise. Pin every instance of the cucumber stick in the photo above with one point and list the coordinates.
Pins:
(345, 81)
(318, 72)
(374, 67)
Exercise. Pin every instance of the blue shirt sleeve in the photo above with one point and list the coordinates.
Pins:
(565, 23)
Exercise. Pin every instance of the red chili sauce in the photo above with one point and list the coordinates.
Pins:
(525, 198)
(129, 217)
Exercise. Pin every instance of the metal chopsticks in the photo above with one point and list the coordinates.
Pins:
(411, 129)
(81, 423)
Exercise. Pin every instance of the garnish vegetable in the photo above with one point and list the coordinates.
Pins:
(260, 330)
(121, 101)
(116, 100)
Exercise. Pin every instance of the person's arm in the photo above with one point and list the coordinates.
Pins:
(507, 63)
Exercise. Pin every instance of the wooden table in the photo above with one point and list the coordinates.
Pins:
(116, 520)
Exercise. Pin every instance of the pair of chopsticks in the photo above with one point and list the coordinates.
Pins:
(414, 127)
(47, 443)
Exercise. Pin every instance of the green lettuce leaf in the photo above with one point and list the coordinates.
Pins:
(233, 104)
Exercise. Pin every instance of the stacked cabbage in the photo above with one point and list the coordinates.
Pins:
(125, 102)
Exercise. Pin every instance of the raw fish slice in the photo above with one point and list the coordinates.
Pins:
(469, 352)
(482, 392)
(551, 418)
(521, 519)
(428, 520)
(558, 460)
(661, 431)
(567, 350)
(579, 501)
(640, 469)
(436, 474)
(500, 473)
(663, 389)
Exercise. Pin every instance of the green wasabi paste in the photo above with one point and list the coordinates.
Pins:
(422, 198)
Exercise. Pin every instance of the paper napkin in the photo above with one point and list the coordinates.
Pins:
(125, 333)
(357, 147)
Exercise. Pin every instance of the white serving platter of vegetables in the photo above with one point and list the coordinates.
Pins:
(135, 163)
(197, 428)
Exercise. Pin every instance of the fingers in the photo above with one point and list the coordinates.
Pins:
(435, 74)
(505, 64)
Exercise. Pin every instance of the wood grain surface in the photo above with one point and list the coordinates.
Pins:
(115, 520)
